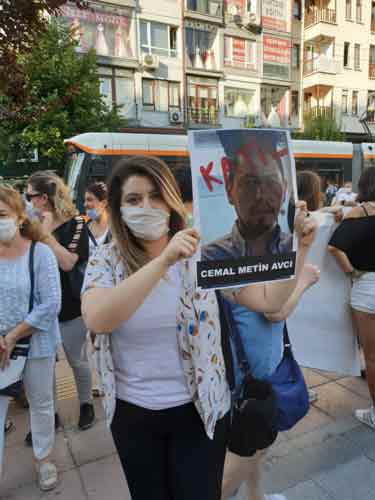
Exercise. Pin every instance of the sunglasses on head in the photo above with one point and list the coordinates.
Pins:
(30, 196)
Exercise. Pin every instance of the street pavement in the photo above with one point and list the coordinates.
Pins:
(327, 456)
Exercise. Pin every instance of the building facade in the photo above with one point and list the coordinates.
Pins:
(224, 63)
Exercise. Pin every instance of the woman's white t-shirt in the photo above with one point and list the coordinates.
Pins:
(146, 357)
(99, 241)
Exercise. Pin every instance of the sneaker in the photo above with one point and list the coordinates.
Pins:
(86, 417)
(29, 436)
(47, 476)
(313, 396)
(274, 497)
(367, 417)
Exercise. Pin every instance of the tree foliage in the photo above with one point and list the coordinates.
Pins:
(22, 22)
(320, 127)
(61, 98)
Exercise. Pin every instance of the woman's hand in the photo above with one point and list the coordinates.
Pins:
(183, 245)
(304, 225)
(7, 344)
(309, 276)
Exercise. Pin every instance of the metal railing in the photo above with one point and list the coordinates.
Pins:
(203, 116)
(319, 111)
(320, 16)
(207, 7)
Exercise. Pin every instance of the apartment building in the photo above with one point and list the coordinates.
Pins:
(220, 63)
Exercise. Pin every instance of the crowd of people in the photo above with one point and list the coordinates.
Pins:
(121, 278)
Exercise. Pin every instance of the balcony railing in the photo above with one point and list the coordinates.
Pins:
(319, 112)
(206, 7)
(371, 71)
(321, 64)
(320, 16)
(203, 116)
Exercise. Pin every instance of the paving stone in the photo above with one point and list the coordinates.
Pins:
(313, 378)
(302, 465)
(329, 375)
(337, 401)
(308, 490)
(364, 437)
(354, 480)
(69, 488)
(355, 384)
(313, 420)
(104, 479)
(92, 444)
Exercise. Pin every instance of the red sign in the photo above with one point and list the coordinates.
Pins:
(276, 50)
(273, 24)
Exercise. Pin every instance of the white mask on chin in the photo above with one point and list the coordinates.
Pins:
(8, 229)
(146, 223)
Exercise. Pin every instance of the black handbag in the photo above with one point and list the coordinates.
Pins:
(292, 397)
(254, 411)
(77, 274)
(11, 376)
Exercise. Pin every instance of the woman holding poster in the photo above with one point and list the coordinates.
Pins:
(163, 372)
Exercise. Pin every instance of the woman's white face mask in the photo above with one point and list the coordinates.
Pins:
(146, 223)
(8, 229)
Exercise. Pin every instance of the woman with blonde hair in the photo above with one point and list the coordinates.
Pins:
(68, 239)
(31, 321)
(166, 394)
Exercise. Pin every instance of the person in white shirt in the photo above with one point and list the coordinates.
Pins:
(345, 196)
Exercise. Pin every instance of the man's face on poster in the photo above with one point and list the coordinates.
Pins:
(256, 189)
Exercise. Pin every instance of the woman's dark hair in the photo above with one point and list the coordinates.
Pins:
(308, 188)
(366, 185)
(184, 181)
(99, 190)
(158, 172)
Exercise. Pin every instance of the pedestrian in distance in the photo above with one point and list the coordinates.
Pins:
(34, 319)
(68, 238)
(166, 394)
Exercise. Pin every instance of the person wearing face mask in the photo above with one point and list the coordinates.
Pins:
(161, 362)
(96, 210)
(37, 327)
(68, 238)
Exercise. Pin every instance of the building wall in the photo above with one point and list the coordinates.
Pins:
(228, 60)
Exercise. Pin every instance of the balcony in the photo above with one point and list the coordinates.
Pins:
(321, 64)
(205, 10)
(320, 16)
(320, 23)
(319, 112)
(372, 25)
(203, 117)
(371, 71)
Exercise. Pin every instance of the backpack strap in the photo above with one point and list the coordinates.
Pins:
(32, 275)
(91, 236)
(73, 245)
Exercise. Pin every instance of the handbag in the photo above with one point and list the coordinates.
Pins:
(253, 412)
(11, 376)
(292, 397)
(77, 274)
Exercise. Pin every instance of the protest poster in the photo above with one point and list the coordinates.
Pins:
(243, 182)
(320, 328)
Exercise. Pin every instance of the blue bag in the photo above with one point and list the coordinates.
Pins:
(289, 386)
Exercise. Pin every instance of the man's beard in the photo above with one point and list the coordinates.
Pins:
(252, 231)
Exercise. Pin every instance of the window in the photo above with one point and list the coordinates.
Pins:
(346, 54)
(200, 48)
(357, 56)
(240, 7)
(211, 7)
(160, 95)
(297, 9)
(344, 102)
(373, 17)
(117, 88)
(295, 103)
(348, 9)
(158, 38)
(295, 56)
(237, 102)
(358, 11)
(202, 101)
(371, 106)
(355, 102)
(239, 52)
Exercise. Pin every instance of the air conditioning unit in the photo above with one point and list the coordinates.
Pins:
(249, 18)
(175, 116)
(150, 61)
